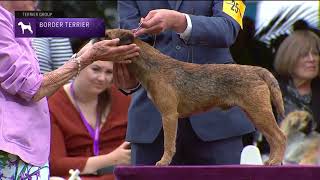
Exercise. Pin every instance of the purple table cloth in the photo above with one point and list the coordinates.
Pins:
(230, 172)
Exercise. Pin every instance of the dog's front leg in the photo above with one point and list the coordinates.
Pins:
(170, 125)
(164, 97)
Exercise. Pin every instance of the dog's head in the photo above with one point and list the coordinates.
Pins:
(300, 121)
(126, 36)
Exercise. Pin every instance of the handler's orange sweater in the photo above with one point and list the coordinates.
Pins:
(71, 144)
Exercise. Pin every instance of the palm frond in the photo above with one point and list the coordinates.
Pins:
(282, 22)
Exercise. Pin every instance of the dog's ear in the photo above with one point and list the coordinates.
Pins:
(126, 39)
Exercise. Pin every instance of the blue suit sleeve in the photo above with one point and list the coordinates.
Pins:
(218, 31)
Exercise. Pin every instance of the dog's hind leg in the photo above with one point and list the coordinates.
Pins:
(259, 109)
(274, 136)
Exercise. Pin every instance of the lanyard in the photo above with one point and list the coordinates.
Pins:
(94, 133)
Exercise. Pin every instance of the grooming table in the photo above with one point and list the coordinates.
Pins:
(225, 172)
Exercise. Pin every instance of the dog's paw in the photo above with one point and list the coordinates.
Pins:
(273, 163)
(162, 163)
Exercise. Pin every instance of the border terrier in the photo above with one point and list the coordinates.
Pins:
(303, 141)
(179, 89)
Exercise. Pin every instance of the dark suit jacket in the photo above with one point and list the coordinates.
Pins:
(213, 32)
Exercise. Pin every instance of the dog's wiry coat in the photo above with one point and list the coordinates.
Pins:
(303, 141)
(180, 89)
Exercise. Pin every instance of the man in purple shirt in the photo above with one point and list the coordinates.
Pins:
(24, 116)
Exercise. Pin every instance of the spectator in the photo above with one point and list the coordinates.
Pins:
(77, 112)
(297, 66)
(52, 52)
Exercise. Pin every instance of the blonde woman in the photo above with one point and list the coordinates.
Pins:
(297, 64)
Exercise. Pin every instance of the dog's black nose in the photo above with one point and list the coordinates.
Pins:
(126, 39)
(309, 128)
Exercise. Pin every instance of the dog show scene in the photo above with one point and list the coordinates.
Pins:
(154, 90)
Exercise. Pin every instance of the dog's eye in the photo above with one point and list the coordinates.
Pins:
(107, 37)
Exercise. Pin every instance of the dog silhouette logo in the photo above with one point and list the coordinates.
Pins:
(25, 27)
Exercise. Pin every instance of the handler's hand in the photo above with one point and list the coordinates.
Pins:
(107, 50)
(160, 20)
(122, 154)
(122, 78)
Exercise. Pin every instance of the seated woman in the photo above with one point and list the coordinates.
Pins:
(89, 120)
(297, 69)
(297, 65)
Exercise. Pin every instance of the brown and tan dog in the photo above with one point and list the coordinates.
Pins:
(303, 141)
(179, 89)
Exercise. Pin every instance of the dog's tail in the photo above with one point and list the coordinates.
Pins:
(276, 95)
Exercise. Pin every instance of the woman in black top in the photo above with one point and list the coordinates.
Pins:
(297, 66)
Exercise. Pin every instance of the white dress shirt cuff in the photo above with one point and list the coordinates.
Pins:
(187, 32)
(130, 91)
